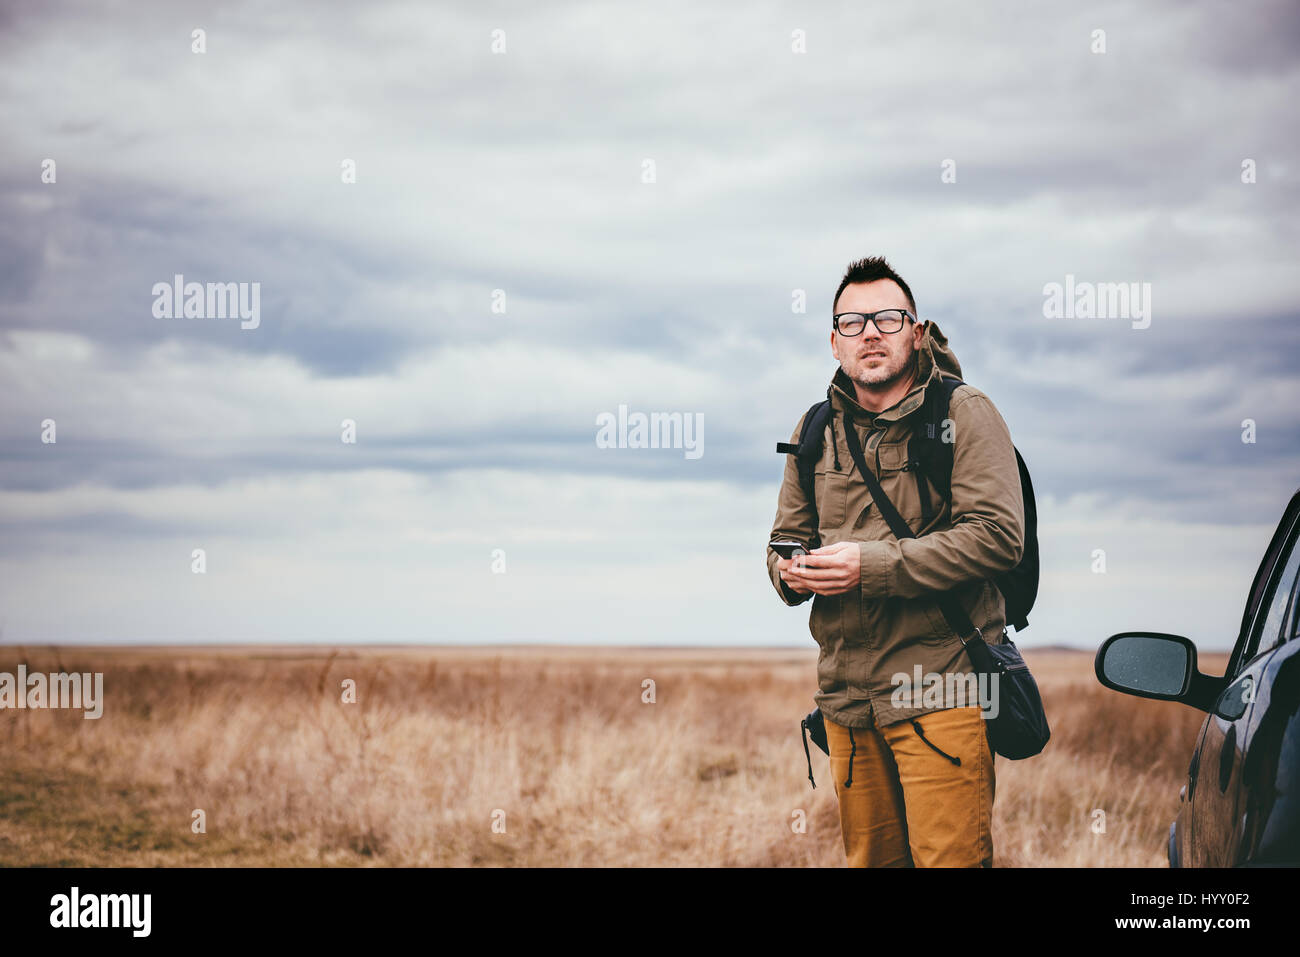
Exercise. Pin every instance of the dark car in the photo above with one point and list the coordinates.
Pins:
(1241, 803)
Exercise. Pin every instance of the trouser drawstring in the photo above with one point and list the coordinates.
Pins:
(803, 728)
(853, 752)
(917, 726)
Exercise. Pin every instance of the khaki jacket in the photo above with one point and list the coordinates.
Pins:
(890, 623)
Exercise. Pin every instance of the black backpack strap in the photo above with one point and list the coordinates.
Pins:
(814, 412)
(955, 615)
(929, 456)
(810, 436)
(1025, 575)
(809, 450)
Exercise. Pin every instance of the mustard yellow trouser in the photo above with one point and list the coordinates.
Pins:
(906, 805)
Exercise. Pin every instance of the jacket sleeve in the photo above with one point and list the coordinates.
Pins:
(794, 519)
(986, 535)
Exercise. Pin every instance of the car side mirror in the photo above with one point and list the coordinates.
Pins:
(1148, 664)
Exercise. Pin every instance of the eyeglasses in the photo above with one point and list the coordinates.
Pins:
(887, 321)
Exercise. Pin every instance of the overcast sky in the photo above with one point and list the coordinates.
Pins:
(524, 171)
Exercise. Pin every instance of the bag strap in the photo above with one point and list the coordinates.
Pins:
(929, 457)
(808, 452)
(955, 615)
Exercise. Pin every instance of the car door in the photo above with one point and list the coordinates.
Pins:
(1215, 788)
(1270, 786)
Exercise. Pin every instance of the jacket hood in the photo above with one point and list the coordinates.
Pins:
(934, 357)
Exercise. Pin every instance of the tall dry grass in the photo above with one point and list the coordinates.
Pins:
(557, 744)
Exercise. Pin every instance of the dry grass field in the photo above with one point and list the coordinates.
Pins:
(553, 743)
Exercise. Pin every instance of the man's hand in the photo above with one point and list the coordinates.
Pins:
(787, 567)
(829, 570)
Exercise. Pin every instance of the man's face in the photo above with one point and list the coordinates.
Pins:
(871, 358)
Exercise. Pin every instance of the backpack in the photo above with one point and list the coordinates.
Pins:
(929, 457)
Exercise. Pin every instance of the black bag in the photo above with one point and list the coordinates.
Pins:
(930, 457)
(1019, 730)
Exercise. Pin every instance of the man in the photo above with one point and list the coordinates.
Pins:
(914, 777)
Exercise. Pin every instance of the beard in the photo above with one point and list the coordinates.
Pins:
(889, 371)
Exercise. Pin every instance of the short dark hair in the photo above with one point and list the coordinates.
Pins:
(869, 270)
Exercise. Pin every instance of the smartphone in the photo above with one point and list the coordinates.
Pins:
(788, 549)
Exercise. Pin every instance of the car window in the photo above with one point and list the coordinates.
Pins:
(1292, 630)
(1268, 631)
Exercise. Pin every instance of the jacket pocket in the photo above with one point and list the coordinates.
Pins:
(899, 482)
(971, 597)
(896, 621)
(824, 622)
(939, 632)
(832, 498)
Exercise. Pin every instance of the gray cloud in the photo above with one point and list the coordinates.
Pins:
(522, 173)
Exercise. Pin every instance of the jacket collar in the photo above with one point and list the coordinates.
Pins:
(934, 358)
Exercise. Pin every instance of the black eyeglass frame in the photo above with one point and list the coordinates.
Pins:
(871, 317)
